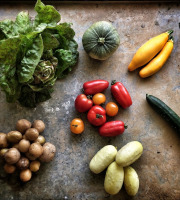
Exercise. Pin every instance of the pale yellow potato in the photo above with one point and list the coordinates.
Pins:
(114, 178)
(103, 158)
(131, 181)
(129, 153)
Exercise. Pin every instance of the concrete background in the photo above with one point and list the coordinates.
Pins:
(68, 175)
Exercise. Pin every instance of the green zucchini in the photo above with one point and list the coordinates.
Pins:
(165, 111)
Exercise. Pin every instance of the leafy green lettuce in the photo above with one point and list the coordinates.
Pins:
(34, 54)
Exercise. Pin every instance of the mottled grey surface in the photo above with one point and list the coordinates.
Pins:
(68, 175)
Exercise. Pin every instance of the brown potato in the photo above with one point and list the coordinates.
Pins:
(3, 151)
(35, 149)
(12, 156)
(14, 136)
(22, 125)
(29, 156)
(39, 125)
(24, 137)
(9, 169)
(34, 166)
(23, 163)
(48, 152)
(3, 140)
(24, 145)
(25, 175)
(32, 134)
(41, 140)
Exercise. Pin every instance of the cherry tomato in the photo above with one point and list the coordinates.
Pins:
(111, 109)
(77, 126)
(96, 116)
(83, 103)
(99, 99)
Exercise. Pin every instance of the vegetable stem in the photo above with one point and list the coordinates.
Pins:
(170, 32)
(101, 40)
(98, 116)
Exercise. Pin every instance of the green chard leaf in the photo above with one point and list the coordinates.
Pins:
(30, 61)
(49, 41)
(23, 23)
(9, 83)
(66, 59)
(9, 49)
(65, 30)
(46, 14)
(29, 98)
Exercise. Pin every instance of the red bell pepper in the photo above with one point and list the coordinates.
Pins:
(121, 94)
(95, 86)
(83, 103)
(97, 116)
(113, 128)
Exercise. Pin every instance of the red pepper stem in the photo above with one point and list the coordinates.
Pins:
(113, 82)
(75, 125)
(98, 116)
(125, 126)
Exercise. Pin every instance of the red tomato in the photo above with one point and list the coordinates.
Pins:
(121, 94)
(97, 116)
(82, 103)
(113, 128)
(95, 86)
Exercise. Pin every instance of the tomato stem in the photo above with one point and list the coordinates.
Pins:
(98, 116)
(113, 82)
(75, 125)
(89, 96)
(125, 126)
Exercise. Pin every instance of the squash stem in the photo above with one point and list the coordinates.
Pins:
(171, 38)
(170, 32)
(101, 40)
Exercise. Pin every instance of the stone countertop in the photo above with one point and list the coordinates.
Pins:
(68, 175)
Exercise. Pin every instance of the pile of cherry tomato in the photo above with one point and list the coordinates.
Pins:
(91, 102)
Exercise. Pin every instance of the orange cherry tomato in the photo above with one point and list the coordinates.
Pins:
(77, 126)
(99, 99)
(111, 109)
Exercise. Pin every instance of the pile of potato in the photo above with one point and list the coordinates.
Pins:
(25, 148)
(118, 171)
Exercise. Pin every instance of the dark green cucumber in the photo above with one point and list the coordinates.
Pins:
(165, 111)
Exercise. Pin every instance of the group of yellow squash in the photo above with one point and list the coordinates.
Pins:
(157, 50)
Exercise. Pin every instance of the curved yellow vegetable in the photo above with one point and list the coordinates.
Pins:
(148, 50)
(156, 64)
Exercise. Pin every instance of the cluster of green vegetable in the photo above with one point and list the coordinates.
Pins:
(25, 148)
(34, 54)
(118, 171)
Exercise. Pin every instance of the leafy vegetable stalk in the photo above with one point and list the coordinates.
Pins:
(34, 54)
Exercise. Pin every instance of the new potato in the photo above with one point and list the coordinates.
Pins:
(114, 178)
(131, 181)
(103, 158)
(129, 153)
(14, 136)
(3, 140)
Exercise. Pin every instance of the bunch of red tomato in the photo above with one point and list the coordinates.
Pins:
(96, 114)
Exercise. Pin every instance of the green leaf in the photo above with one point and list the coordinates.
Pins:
(49, 41)
(8, 28)
(27, 97)
(9, 49)
(65, 30)
(30, 60)
(46, 14)
(23, 23)
(9, 83)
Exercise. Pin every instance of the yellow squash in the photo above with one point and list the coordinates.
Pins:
(156, 64)
(148, 50)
